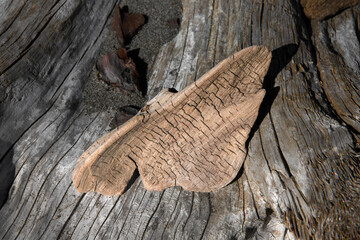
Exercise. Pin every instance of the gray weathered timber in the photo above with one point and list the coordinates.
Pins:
(300, 178)
(340, 76)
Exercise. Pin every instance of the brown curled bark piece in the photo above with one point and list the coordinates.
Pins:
(320, 9)
(119, 71)
(126, 24)
(194, 139)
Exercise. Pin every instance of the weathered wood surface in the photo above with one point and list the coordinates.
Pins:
(321, 9)
(194, 139)
(300, 178)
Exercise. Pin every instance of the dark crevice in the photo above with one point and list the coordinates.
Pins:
(135, 175)
(141, 68)
(357, 24)
(250, 232)
(239, 174)
(132, 180)
(283, 159)
(267, 219)
(7, 175)
(261, 14)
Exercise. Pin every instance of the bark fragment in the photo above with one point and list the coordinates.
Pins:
(126, 24)
(118, 70)
(320, 9)
(194, 139)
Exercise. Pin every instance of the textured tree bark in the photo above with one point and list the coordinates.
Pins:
(321, 9)
(300, 178)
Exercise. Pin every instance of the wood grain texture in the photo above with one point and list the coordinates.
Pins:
(300, 179)
(320, 9)
(340, 76)
(194, 139)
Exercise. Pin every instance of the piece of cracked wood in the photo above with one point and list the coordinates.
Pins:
(321, 9)
(194, 139)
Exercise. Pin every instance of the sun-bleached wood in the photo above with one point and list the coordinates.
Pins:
(300, 178)
(194, 139)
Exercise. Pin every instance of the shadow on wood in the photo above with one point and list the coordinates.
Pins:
(280, 58)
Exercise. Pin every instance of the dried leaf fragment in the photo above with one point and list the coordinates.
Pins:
(194, 139)
(119, 71)
(126, 24)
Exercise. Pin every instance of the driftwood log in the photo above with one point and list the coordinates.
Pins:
(300, 178)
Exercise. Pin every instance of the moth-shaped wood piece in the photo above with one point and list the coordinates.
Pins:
(194, 138)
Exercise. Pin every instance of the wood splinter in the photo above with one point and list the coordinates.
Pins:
(194, 138)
